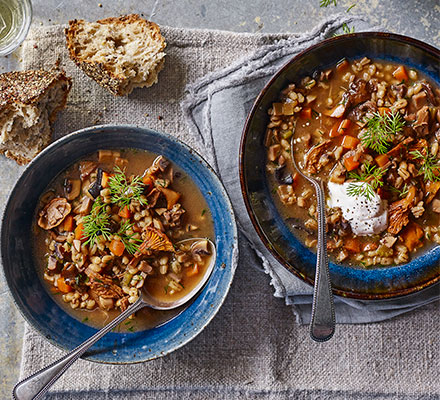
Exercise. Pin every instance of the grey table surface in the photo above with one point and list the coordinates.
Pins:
(416, 18)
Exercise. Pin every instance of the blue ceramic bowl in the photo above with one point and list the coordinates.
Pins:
(33, 300)
(373, 283)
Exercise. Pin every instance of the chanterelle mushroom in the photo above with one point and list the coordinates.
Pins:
(54, 213)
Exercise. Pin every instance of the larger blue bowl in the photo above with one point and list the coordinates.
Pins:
(39, 308)
(373, 283)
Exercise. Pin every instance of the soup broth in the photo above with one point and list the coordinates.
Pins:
(369, 130)
(110, 225)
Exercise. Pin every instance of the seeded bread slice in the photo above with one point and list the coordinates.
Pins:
(29, 103)
(119, 53)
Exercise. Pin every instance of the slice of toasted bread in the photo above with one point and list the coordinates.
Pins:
(29, 103)
(119, 53)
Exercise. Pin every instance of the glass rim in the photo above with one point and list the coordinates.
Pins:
(24, 29)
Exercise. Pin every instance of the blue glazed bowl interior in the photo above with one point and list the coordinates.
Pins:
(39, 308)
(373, 283)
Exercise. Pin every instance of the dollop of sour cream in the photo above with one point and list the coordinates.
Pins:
(366, 216)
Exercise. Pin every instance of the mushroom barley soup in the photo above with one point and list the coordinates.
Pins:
(110, 226)
(370, 131)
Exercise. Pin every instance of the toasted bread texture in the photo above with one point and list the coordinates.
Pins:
(119, 53)
(29, 103)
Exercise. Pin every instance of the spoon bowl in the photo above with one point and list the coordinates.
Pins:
(36, 386)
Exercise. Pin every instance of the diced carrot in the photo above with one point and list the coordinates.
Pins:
(400, 74)
(383, 110)
(382, 160)
(350, 163)
(104, 180)
(137, 228)
(63, 286)
(395, 151)
(344, 126)
(334, 131)
(352, 244)
(411, 236)
(194, 270)
(148, 182)
(79, 232)
(349, 142)
(295, 179)
(124, 212)
(68, 224)
(306, 113)
(342, 65)
(117, 247)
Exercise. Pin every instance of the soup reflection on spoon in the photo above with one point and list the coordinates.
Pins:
(38, 384)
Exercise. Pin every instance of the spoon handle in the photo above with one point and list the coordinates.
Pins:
(322, 326)
(36, 386)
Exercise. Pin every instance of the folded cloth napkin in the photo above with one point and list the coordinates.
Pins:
(216, 107)
(252, 349)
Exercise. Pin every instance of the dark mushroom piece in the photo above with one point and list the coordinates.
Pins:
(96, 188)
(282, 177)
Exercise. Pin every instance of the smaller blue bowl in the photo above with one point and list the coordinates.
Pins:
(27, 288)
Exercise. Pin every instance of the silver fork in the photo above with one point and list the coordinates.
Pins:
(322, 324)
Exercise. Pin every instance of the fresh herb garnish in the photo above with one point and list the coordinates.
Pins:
(402, 193)
(430, 167)
(85, 319)
(130, 242)
(349, 8)
(367, 181)
(97, 222)
(203, 212)
(381, 130)
(345, 30)
(326, 3)
(124, 190)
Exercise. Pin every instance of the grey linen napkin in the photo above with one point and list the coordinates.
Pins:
(252, 349)
(216, 107)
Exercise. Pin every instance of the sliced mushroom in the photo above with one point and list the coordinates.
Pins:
(161, 163)
(171, 196)
(201, 247)
(72, 188)
(52, 264)
(86, 168)
(86, 206)
(54, 213)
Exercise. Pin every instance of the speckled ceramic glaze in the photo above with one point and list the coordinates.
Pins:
(39, 308)
(373, 283)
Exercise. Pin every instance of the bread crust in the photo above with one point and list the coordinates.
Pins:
(98, 71)
(27, 88)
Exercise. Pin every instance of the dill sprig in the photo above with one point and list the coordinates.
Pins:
(367, 181)
(381, 130)
(401, 192)
(130, 242)
(345, 30)
(124, 190)
(326, 3)
(430, 167)
(97, 222)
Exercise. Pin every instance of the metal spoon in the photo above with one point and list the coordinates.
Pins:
(36, 386)
(322, 324)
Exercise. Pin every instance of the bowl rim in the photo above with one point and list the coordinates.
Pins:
(243, 181)
(234, 248)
